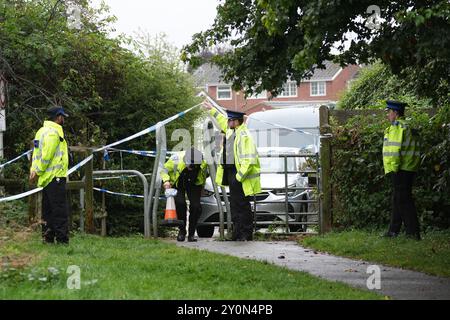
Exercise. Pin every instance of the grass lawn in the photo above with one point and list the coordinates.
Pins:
(431, 255)
(136, 268)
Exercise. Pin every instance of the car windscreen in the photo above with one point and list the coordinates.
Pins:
(276, 164)
(284, 138)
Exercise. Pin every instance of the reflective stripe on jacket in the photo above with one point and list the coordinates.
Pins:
(50, 154)
(175, 166)
(246, 157)
(401, 150)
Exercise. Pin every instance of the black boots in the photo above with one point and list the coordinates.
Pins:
(181, 235)
(192, 239)
(415, 236)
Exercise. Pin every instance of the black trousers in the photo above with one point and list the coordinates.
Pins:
(403, 207)
(193, 192)
(55, 217)
(241, 210)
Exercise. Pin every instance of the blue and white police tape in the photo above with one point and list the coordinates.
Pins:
(78, 166)
(137, 152)
(82, 163)
(149, 130)
(20, 196)
(118, 193)
(123, 194)
(29, 193)
(144, 153)
(221, 110)
(15, 159)
(287, 128)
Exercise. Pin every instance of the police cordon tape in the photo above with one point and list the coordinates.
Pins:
(143, 153)
(221, 110)
(139, 134)
(82, 163)
(136, 152)
(118, 193)
(287, 128)
(150, 129)
(15, 159)
(124, 194)
(20, 196)
(29, 193)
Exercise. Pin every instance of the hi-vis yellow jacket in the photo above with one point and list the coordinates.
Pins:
(401, 151)
(50, 154)
(175, 166)
(246, 157)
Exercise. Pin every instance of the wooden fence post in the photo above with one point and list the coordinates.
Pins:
(35, 208)
(89, 194)
(34, 201)
(325, 164)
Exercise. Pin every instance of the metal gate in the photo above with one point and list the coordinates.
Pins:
(294, 207)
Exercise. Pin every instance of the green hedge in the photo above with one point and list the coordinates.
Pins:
(361, 192)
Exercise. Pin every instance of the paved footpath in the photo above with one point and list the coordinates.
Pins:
(395, 283)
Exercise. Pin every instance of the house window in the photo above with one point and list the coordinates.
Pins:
(262, 95)
(318, 88)
(224, 93)
(289, 89)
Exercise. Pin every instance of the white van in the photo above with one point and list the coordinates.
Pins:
(267, 128)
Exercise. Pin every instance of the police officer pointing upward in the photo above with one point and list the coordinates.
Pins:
(239, 169)
(49, 168)
(401, 159)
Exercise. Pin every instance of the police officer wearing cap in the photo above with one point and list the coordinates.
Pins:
(49, 169)
(239, 169)
(401, 159)
(186, 171)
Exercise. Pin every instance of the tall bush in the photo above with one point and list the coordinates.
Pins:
(110, 91)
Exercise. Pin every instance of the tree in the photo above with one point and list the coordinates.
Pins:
(376, 84)
(274, 40)
(109, 91)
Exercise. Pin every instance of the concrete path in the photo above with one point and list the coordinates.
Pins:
(395, 283)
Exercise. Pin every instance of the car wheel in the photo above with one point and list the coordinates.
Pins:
(205, 231)
(300, 227)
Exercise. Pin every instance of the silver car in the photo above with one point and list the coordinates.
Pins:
(272, 140)
(271, 203)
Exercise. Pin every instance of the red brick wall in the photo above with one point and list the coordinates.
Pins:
(340, 83)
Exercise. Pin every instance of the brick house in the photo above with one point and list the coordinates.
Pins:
(323, 88)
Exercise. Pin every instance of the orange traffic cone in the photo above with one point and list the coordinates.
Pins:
(170, 214)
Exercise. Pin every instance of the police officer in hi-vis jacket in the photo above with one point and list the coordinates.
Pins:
(239, 169)
(49, 169)
(401, 159)
(186, 171)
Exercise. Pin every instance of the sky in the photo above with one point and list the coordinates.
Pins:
(178, 19)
